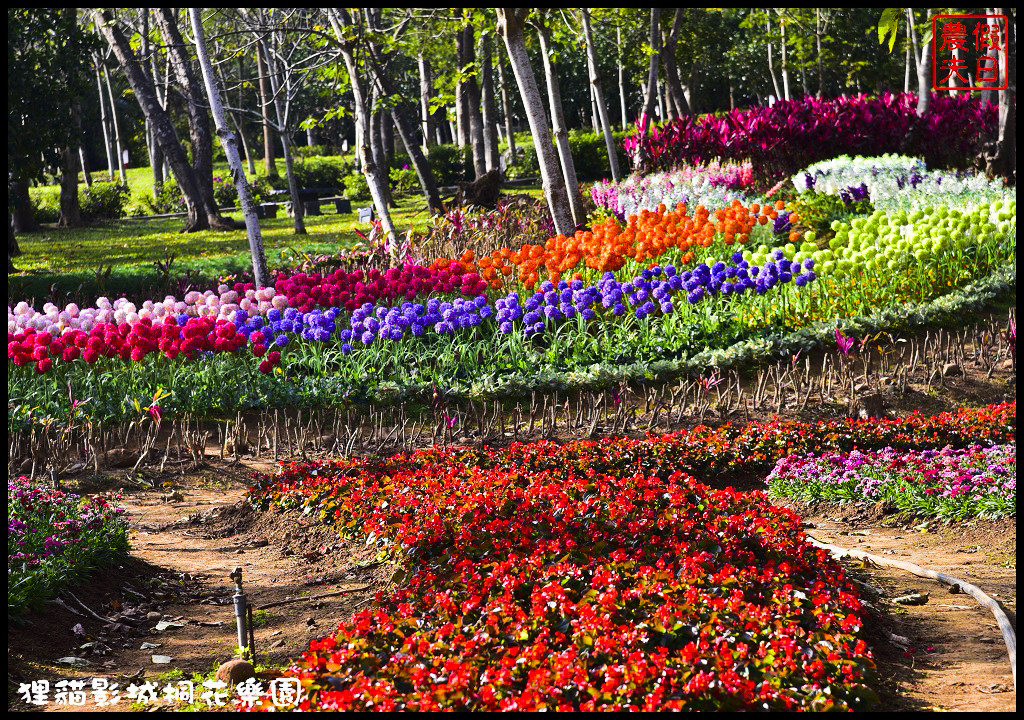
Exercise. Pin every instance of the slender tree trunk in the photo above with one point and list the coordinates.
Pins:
(24, 214)
(339, 19)
(145, 93)
(1003, 161)
(85, 166)
(472, 110)
(281, 112)
(198, 119)
(507, 109)
(425, 87)
(461, 89)
(105, 122)
(924, 65)
(151, 146)
(265, 102)
(70, 211)
(906, 72)
(785, 61)
(651, 89)
(622, 75)
(818, 32)
(490, 110)
(252, 224)
(510, 25)
(572, 185)
(771, 65)
(602, 109)
(419, 163)
(117, 128)
(159, 164)
(668, 60)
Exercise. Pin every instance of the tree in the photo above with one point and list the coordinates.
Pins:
(47, 69)
(561, 131)
(602, 109)
(510, 25)
(252, 225)
(163, 128)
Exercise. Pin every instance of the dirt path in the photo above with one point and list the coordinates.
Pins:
(183, 551)
(948, 653)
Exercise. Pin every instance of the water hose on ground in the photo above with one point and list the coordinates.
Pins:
(1009, 637)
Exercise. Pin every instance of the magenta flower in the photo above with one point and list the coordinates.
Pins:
(845, 343)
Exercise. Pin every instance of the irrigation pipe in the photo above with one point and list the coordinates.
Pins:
(1009, 637)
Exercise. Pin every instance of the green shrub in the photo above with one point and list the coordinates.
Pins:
(308, 151)
(450, 163)
(356, 187)
(47, 209)
(589, 157)
(321, 172)
(104, 201)
(168, 200)
(404, 180)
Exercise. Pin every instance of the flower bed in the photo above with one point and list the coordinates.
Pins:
(780, 140)
(577, 590)
(948, 484)
(56, 538)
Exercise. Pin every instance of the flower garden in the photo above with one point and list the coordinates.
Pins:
(582, 575)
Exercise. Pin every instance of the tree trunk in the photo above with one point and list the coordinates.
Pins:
(426, 124)
(156, 153)
(281, 112)
(85, 166)
(668, 59)
(785, 61)
(651, 89)
(105, 122)
(265, 102)
(70, 211)
(622, 75)
(13, 249)
(163, 128)
(507, 110)
(461, 91)
(771, 65)
(117, 128)
(472, 110)
(198, 119)
(339, 19)
(572, 185)
(1003, 162)
(924, 65)
(818, 32)
(510, 24)
(602, 109)
(24, 214)
(252, 224)
(490, 110)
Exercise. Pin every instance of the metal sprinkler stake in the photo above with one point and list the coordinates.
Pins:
(241, 606)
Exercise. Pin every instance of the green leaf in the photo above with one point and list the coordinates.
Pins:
(889, 24)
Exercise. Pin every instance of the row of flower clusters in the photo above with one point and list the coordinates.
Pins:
(948, 484)
(714, 186)
(650, 294)
(780, 140)
(609, 246)
(755, 448)
(596, 575)
(346, 290)
(54, 538)
(895, 182)
(563, 590)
